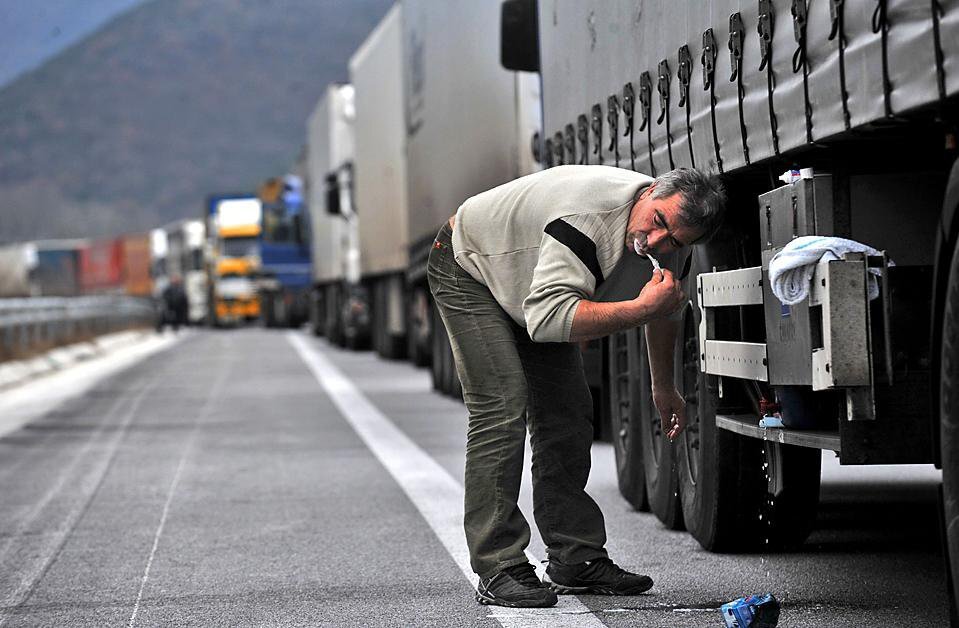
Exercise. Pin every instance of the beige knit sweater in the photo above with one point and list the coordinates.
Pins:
(544, 242)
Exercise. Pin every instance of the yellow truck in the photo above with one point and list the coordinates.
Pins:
(234, 225)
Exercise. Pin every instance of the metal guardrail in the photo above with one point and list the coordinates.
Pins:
(33, 324)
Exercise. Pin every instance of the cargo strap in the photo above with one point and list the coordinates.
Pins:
(800, 13)
(558, 145)
(582, 132)
(571, 144)
(880, 24)
(548, 153)
(708, 60)
(663, 88)
(645, 101)
(597, 115)
(684, 73)
(737, 33)
(612, 117)
(937, 14)
(629, 108)
(535, 147)
(838, 33)
(765, 30)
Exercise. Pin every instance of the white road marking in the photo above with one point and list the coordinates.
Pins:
(433, 491)
(88, 488)
(213, 397)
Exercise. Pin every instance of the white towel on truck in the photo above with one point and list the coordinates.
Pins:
(792, 268)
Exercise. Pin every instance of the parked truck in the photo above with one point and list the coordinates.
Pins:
(284, 278)
(339, 307)
(856, 102)
(233, 225)
(437, 121)
(185, 242)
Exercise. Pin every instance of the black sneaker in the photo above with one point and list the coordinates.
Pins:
(601, 577)
(516, 586)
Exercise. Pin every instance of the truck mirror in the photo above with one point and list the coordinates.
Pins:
(519, 35)
(333, 195)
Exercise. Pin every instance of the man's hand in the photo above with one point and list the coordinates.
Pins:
(672, 410)
(662, 294)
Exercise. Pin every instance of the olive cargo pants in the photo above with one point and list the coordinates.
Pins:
(510, 384)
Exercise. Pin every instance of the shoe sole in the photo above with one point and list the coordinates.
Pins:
(560, 589)
(492, 601)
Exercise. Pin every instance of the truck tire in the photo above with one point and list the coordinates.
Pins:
(436, 343)
(625, 418)
(949, 423)
(708, 458)
(726, 480)
(334, 316)
(420, 319)
(387, 345)
(658, 454)
(317, 324)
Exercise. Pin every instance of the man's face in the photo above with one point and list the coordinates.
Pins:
(655, 226)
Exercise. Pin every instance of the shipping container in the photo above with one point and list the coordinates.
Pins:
(57, 269)
(101, 266)
(136, 265)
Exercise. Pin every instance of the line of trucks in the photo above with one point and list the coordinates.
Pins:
(248, 257)
(854, 100)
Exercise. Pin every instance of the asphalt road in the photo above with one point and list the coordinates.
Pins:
(263, 478)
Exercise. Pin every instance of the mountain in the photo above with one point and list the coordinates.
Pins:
(36, 31)
(172, 101)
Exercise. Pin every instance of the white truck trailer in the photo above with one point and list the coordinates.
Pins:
(379, 171)
(185, 243)
(339, 309)
(863, 94)
(438, 119)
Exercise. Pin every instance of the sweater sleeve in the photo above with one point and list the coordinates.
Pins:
(567, 271)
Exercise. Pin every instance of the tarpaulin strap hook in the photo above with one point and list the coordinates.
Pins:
(548, 152)
(646, 102)
(663, 88)
(558, 147)
(838, 33)
(629, 107)
(571, 143)
(709, 68)
(612, 117)
(736, 36)
(937, 13)
(800, 13)
(880, 24)
(765, 29)
(598, 132)
(582, 132)
(684, 73)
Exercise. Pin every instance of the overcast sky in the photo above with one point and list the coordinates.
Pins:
(32, 31)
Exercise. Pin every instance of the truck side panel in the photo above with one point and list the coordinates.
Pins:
(603, 45)
(461, 108)
(380, 172)
(330, 147)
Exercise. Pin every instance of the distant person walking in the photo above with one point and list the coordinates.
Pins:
(174, 304)
(514, 274)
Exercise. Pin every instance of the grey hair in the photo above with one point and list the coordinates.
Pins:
(703, 198)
